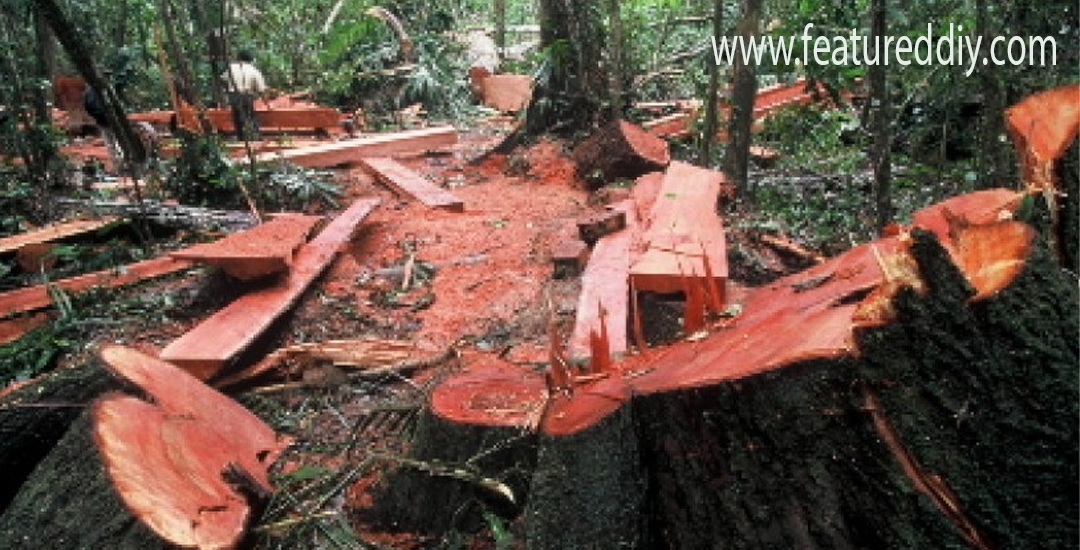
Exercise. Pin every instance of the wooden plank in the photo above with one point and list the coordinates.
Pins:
(37, 297)
(379, 145)
(53, 233)
(207, 348)
(506, 92)
(263, 250)
(14, 328)
(407, 182)
(270, 120)
(682, 224)
(605, 291)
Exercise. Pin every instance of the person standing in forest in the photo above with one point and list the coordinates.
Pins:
(244, 81)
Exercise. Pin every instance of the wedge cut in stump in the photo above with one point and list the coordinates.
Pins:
(168, 458)
(682, 232)
(379, 145)
(404, 181)
(917, 391)
(620, 150)
(211, 345)
(266, 249)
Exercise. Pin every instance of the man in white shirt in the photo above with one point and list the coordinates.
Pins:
(243, 82)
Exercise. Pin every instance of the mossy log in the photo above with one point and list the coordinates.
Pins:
(911, 393)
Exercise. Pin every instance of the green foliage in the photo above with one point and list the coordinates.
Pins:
(291, 187)
(815, 139)
(201, 175)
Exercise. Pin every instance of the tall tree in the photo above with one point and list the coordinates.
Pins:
(879, 119)
(618, 74)
(744, 84)
(500, 28)
(712, 95)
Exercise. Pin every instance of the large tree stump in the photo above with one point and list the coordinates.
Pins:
(619, 150)
(910, 393)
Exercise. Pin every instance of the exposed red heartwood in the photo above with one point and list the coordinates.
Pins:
(406, 182)
(53, 233)
(1042, 127)
(166, 458)
(491, 392)
(973, 208)
(683, 223)
(263, 250)
(213, 343)
(37, 297)
(270, 120)
(605, 291)
(379, 145)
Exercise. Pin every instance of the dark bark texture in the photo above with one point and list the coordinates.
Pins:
(34, 417)
(69, 502)
(744, 89)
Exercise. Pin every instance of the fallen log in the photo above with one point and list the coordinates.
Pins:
(508, 93)
(168, 215)
(919, 391)
(406, 182)
(218, 340)
(619, 150)
(355, 150)
(266, 249)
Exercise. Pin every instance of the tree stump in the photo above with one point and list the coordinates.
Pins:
(910, 393)
(619, 150)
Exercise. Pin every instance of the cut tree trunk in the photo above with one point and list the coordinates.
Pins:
(910, 393)
(619, 150)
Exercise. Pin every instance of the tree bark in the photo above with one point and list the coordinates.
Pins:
(744, 82)
(618, 74)
(69, 502)
(880, 120)
(500, 28)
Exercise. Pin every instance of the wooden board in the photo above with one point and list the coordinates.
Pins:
(263, 250)
(208, 347)
(506, 92)
(270, 120)
(407, 182)
(683, 223)
(37, 297)
(379, 145)
(604, 290)
(53, 233)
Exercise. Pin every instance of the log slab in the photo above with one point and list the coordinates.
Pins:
(265, 249)
(593, 227)
(683, 228)
(569, 258)
(53, 233)
(212, 344)
(407, 182)
(355, 150)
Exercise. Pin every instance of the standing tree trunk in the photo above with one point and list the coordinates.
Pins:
(618, 74)
(992, 158)
(570, 96)
(500, 29)
(712, 96)
(879, 122)
(737, 156)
